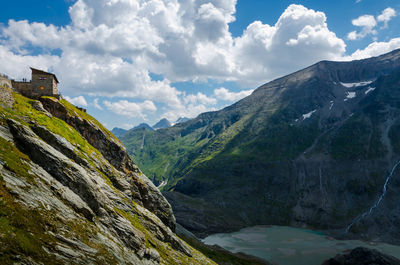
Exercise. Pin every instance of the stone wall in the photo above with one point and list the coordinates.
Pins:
(23, 88)
(5, 82)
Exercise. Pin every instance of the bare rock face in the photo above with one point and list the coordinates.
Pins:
(109, 146)
(112, 150)
(363, 256)
(62, 201)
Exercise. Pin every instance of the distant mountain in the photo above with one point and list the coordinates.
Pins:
(118, 132)
(316, 148)
(182, 120)
(144, 125)
(162, 124)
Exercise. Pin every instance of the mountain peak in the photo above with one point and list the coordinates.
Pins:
(162, 124)
(312, 130)
(144, 125)
(182, 120)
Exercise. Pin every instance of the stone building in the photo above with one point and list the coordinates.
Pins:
(42, 84)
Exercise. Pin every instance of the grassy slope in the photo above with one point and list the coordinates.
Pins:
(263, 132)
(23, 231)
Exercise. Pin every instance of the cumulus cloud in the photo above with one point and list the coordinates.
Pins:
(224, 94)
(17, 65)
(386, 16)
(79, 101)
(113, 48)
(368, 23)
(130, 109)
(299, 38)
(199, 98)
(375, 49)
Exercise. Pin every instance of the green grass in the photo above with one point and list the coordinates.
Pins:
(23, 231)
(77, 112)
(15, 161)
(22, 110)
(177, 152)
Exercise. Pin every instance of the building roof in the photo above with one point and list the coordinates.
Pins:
(40, 72)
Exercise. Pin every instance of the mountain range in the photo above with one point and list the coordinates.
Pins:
(162, 124)
(317, 148)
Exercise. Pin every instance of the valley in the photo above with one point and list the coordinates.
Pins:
(200, 132)
(314, 148)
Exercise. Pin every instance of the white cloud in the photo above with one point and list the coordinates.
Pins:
(79, 101)
(127, 126)
(112, 47)
(368, 23)
(96, 104)
(189, 110)
(199, 98)
(130, 109)
(386, 16)
(375, 49)
(17, 66)
(364, 21)
(224, 94)
(299, 38)
(352, 35)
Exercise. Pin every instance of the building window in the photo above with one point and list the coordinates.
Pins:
(42, 88)
(42, 78)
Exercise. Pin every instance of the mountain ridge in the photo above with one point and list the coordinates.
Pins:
(69, 191)
(162, 124)
(297, 134)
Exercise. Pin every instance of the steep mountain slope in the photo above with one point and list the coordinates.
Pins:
(182, 120)
(118, 132)
(162, 124)
(70, 194)
(313, 148)
(143, 125)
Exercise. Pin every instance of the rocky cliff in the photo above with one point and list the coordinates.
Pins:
(317, 148)
(70, 194)
(362, 256)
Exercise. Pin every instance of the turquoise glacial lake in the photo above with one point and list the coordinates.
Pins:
(287, 245)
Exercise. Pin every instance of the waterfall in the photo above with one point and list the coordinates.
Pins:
(376, 204)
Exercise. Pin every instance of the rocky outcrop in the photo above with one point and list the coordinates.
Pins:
(108, 146)
(96, 197)
(143, 189)
(63, 202)
(363, 256)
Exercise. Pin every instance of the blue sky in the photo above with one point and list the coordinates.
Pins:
(130, 61)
